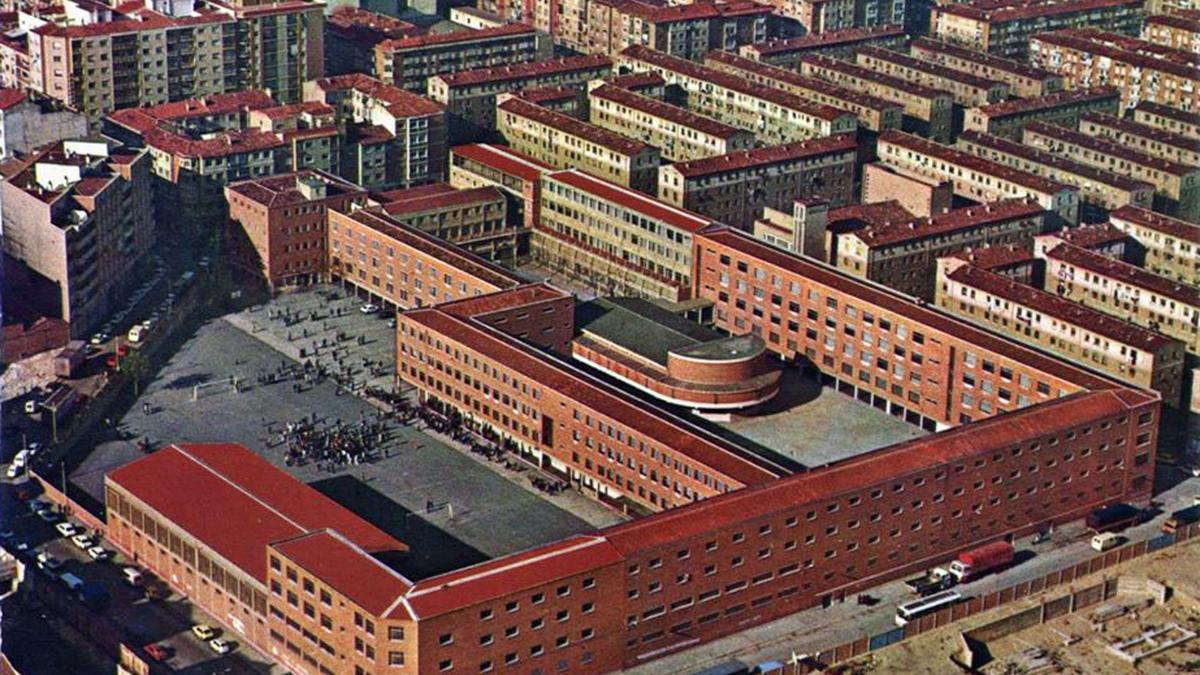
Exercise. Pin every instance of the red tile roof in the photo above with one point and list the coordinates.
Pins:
(1051, 160)
(1167, 225)
(1066, 311)
(926, 45)
(397, 101)
(813, 41)
(1160, 110)
(908, 62)
(1118, 48)
(861, 215)
(1100, 146)
(569, 125)
(957, 220)
(504, 159)
(1098, 235)
(281, 190)
(1134, 276)
(453, 38)
(656, 108)
(867, 75)
(775, 154)
(632, 200)
(1021, 106)
(1181, 19)
(365, 27)
(525, 71)
(351, 571)
(543, 95)
(1031, 9)
(959, 158)
(636, 81)
(521, 296)
(454, 199)
(789, 77)
(1128, 127)
(235, 502)
(996, 257)
(11, 97)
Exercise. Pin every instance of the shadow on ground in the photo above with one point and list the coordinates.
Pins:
(431, 550)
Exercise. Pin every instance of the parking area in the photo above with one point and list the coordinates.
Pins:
(451, 508)
(816, 425)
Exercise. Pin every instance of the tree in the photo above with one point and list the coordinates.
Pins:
(136, 367)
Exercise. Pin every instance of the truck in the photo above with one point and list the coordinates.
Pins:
(936, 579)
(1112, 518)
(1181, 518)
(979, 561)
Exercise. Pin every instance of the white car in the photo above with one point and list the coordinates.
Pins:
(66, 529)
(369, 308)
(15, 470)
(99, 553)
(220, 645)
(47, 562)
(82, 541)
(100, 338)
(48, 515)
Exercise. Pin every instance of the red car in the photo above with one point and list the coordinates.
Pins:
(24, 494)
(122, 350)
(156, 651)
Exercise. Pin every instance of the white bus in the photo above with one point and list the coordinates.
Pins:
(917, 608)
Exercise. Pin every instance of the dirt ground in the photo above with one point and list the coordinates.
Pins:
(1177, 567)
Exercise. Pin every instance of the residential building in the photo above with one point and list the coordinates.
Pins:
(916, 194)
(927, 111)
(1011, 262)
(1161, 244)
(1022, 79)
(735, 188)
(469, 96)
(1179, 29)
(1167, 118)
(1100, 190)
(1008, 118)
(408, 62)
(1127, 292)
(679, 134)
(472, 218)
(80, 214)
(1144, 138)
(964, 88)
(282, 219)
(1143, 71)
(392, 138)
(565, 142)
(841, 44)
(1007, 28)
(976, 178)
(1067, 329)
(351, 34)
(902, 255)
(802, 230)
(566, 100)
(873, 113)
(616, 240)
(686, 31)
(518, 175)
(29, 122)
(774, 116)
(1101, 238)
(1177, 186)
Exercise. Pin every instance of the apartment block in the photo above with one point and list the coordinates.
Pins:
(1163, 245)
(1008, 118)
(27, 122)
(1177, 186)
(686, 31)
(614, 239)
(566, 100)
(774, 116)
(1100, 190)
(802, 230)
(351, 34)
(1127, 292)
(282, 218)
(476, 219)
(565, 142)
(965, 89)
(976, 178)
(916, 195)
(1142, 137)
(1101, 238)
(735, 188)
(1022, 79)
(786, 53)
(1167, 118)
(518, 175)
(1143, 71)
(404, 266)
(392, 138)
(873, 113)
(1007, 28)
(927, 111)
(80, 214)
(408, 62)
(1067, 329)
(679, 134)
(902, 255)
(1011, 262)
(469, 96)
(1179, 29)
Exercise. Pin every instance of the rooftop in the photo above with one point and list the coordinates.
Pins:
(978, 164)
(349, 570)
(1183, 19)
(656, 108)
(406, 208)
(899, 232)
(636, 81)
(641, 327)
(1019, 10)
(504, 159)
(1093, 236)
(1158, 222)
(397, 101)
(1134, 276)
(455, 37)
(996, 257)
(365, 27)
(632, 200)
(906, 61)
(1181, 116)
(1021, 106)
(845, 36)
(283, 189)
(925, 44)
(1100, 146)
(758, 157)
(1138, 130)
(867, 75)
(795, 79)
(578, 128)
(525, 71)
(855, 216)
(235, 502)
(1054, 161)
(1121, 49)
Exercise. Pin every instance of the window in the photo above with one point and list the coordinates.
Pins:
(446, 664)
(446, 639)
(396, 633)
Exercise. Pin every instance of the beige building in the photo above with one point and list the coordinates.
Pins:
(918, 195)
(1022, 79)
(473, 218)
(80, 214)
(975, 178)
(686, 30)
(617, 240)
(1142, 137)
(1100, 190)
(409, 61)
(774, 116)
(1122, 290)
(565, 142)
(1143, 71)
(1069, 329)
(902, 255)
(802, 230)
(1008, 118)
(1179, 29)
(1167, 118)
(735, 188)
(1177, 185)
(841, 44)
(1163, 245)
(965, 88)
(679, 134)
(927, 111)
(873, 113)
(1005, 27)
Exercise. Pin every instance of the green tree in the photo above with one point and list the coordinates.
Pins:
(136, 367)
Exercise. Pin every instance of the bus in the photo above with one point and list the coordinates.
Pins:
(929, 604)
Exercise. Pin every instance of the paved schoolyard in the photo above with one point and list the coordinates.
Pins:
(481, 514)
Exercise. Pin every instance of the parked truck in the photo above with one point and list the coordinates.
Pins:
(1112, 518)
(936, 579)
(1181, 518)
(972, 564)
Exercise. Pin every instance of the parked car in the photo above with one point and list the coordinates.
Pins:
(155, 651)
(220, 645)
(67, 529)
(82, 541)
(15, 470)
(47, 562)
(204, 631)
(133, 576)
(99, 553)
(369, 308)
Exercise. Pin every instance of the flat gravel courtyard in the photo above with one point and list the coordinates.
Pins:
(478, 513)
